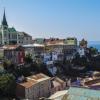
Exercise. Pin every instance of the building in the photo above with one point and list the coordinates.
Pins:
(83, 43)
(54, 50)
(59, 95)
(76, 93)
(57, 85)
(71, 41)
(24, 38)
(81, 51)
(35, 87)
(35, 50)
(70, 48)
(39, 40)
(9, 36)
(1, 53)
(14, 53)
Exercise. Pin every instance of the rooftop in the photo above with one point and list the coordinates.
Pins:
(33, 45)
(57, 81)
(34, 79)
(75, 93)
(59, 95)
(12, 30)
(28, 83)
(11, 47)
(24, 34)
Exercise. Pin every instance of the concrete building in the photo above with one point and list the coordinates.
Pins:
(35, 50)
(35, 87)
(55, 50)
(70, 48)
(81, 51)
(14, 53)
(24, 38)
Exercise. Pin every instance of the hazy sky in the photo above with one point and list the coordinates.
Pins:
(54, 18)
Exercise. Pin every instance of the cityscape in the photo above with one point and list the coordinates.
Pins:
(47, 68)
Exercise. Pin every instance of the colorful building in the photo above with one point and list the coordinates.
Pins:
(14, 53)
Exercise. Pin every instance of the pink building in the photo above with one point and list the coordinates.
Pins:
(14, 53)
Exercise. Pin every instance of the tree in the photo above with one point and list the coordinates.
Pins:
(6, 64)
(7, 85)
(81, 61)
(93, 50)
(28, 58)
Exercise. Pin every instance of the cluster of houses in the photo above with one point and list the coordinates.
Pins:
(15, 46)
(43, 87)
(47, 52)
(37, 86)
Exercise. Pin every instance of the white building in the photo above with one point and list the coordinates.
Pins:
(24, 38)
(34, 50)
(81, 51)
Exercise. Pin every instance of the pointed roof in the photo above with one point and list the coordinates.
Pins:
(4, 21)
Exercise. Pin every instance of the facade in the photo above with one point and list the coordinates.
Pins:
(24, 38)
(57, 85)
(9, 36)
(54, 50)
(34, 87)
(35, 50)
(14, 53)
(39, 41)
(71, 41)
(1, 53)
(70, 48)
(81, 51)
(83, 43)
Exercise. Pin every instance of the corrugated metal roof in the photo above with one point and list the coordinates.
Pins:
(75, 93)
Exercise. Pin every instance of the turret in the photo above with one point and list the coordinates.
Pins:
(4, 21)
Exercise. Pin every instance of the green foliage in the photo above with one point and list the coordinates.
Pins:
(93, 50)
(2, 71)
(28, 58)
(81, 61)
(6, 64)
(7, 85)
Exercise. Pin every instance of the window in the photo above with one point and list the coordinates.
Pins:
(22, 60)
(20, 53)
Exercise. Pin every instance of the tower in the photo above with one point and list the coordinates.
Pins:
(4, 30)
(4, 21)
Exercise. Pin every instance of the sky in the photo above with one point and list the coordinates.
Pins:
(54, 18)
